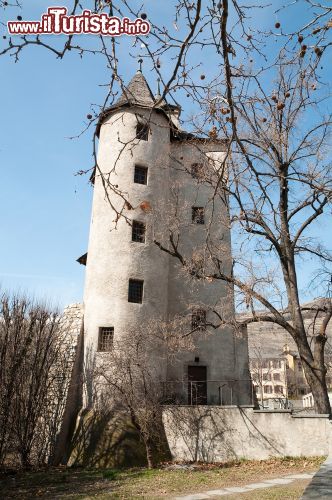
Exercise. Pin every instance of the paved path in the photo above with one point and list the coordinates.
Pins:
(268, 483)
(321, 485)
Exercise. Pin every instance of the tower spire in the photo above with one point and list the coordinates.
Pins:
(140, 61)
(158, 87)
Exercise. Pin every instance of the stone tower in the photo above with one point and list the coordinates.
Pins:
(152, 170)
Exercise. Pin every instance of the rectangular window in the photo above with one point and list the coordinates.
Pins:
(268, 389)
(276, 376)
(142, 131)
(266, 376)
(135, 291)
(198, 320)
(197, 215)
(138, 231)
(197, 171)
(105, 339)
(140, 175)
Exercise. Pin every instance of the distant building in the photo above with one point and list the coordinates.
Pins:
(269, 376)
(271, 346)
(278, 377)
(309, 402)
(296, 381)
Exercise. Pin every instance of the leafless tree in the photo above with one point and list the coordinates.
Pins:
(34, 374)
(129, 378)
(261, 372)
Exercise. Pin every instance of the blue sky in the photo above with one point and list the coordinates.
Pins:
(45, 211)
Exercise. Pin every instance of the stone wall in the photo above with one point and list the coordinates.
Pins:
(221, 434)
(72, 325)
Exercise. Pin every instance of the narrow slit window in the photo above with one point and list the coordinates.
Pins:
(105, 339)
(135, 291)
(142, 131)
(198, 215)
(198, 320)
(138, 231)
(140, 175)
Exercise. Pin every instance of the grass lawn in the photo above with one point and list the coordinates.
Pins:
(166, 482)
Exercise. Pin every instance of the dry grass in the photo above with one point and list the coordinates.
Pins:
(292, 491)
(166, 482)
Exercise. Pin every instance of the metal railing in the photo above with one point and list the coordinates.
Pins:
(209, 392)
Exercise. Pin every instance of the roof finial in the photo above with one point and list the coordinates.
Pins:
(158, 86)
(140, 65)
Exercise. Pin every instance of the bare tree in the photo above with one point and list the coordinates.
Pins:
(261, 373)
(130, 379)
(34, 374)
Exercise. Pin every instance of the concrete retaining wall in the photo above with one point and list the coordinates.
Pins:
(218, 434)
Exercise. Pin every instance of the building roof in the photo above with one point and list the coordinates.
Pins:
(83, 259)
(137, 92)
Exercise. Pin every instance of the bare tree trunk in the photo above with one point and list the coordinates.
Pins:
(149, 453)
(315, 372)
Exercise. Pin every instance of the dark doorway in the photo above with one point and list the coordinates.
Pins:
(197, 385)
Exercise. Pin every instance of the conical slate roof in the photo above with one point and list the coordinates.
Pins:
(137, 92)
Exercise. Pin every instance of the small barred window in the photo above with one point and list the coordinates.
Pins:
(198, 215)
(138, 231)
(105, 340)
(197, 171)
(142, 131)
(140, 175)
(198, 320)
(135, 291)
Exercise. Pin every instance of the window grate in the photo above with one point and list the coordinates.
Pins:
(198, 215)
(135, 291)
(198, 320)
(105, 340)
(138, 231)
(142, 131)
(197, 171)
(140, 175)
